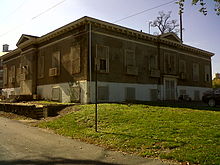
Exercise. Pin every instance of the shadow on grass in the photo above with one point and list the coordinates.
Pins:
(197, 105)
(53, 161)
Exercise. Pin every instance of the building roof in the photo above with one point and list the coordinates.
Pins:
(3, 53)
(168, 38)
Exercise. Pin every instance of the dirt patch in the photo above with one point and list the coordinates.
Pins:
(34, 122)
(13, 116)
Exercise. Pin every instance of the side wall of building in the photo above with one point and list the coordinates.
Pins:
(136, 69)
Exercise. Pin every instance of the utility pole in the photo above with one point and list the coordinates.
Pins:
(96, 98)
(181, 26)
(149, 24)
(181, 8)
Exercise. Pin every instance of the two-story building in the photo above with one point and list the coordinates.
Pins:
(131, 65)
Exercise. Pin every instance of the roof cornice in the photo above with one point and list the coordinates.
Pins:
(11, 53)
(111, 27)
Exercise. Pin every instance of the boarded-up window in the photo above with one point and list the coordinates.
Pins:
(195, 72)
(56, 60)
(13, 71)
(197, 95)
(130, 62)
(102, 58)
(75, 93)
(56, 94)
(207, 73)
(41, 66)
(18, 74)
(153, 62)
(130, 58)
(130, 94)
(170, 63)
(182, 66)
(103, 93)
(153, 94)
(5, 75)
(75, 59)
(182, 92)
(11, 77)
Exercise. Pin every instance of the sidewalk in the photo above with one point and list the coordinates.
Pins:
(22, 144)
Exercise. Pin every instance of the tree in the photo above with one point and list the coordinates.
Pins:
(164, 24)
(202, 3)
(216, 83)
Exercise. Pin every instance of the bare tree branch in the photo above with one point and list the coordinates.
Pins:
(164, 24)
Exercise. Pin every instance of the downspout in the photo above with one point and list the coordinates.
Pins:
(90, 61)
(36, 68)
(160, 80)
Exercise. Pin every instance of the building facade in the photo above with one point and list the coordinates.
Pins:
(5, 49)
(64, 65)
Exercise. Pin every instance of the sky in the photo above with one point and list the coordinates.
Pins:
(38, 17)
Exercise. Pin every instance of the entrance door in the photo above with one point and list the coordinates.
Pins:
(170, 89)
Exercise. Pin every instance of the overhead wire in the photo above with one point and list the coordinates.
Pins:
(54, 6)
(35, 17)
(48, 9)
(14, 11)
(144, 11)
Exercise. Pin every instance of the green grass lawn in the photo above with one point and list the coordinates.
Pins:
(181, 134)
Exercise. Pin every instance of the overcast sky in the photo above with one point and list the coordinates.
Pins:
(38, 17)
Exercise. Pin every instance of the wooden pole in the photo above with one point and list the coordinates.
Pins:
(96, 99)
(181, 26)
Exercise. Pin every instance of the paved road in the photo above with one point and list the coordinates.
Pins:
(24, 145)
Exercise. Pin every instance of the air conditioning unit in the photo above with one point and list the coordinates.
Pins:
(132, 70)
(182, 76)
(23, 76)
(53, 72)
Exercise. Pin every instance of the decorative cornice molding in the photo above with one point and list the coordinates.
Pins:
(110, 27)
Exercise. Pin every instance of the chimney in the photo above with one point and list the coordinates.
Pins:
(5, 48)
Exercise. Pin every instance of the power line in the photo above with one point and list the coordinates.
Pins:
(144, 11)
(48, 9)
(14, 11)
(35, 17)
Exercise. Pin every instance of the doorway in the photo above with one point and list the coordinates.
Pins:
(170, 89)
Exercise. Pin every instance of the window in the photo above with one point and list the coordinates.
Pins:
(102, 57)
(5, 75)
(56, 60)
(18, 74)
(130, 94)
(54, 70)
(197, 95)
(182, 92)
(103, 93)
(153, 94)
(13, 71)
(207, 73)
(56, 94)
(130, 62)
(130, 58)
(182, 66)
(103, 64)
(41, 66)
(170, 63)
(11, 77)
(195, 72)
(153, 62)
(75, 59)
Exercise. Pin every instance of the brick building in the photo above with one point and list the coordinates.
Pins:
(131, 65)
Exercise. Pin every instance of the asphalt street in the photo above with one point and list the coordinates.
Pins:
(21, 144)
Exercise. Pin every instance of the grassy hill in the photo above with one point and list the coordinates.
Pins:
(182, 134)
